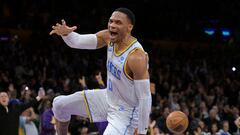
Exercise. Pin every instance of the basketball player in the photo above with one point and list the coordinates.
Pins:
(126, 102)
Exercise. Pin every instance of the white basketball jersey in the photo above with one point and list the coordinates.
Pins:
(121, 95)
(120, 85)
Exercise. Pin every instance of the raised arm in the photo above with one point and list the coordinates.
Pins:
(33, 102)
(80, 41)
(138, 64)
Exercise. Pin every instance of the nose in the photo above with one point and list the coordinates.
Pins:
(112, 26)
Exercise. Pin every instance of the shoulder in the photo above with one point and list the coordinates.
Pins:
(104, 35)
(137, 55)
(137, 60)
(103, 38)
(103, 32)
(138, 64)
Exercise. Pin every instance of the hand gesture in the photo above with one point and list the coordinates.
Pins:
(82, 81)
(152, 124)
(41, 92)
(99, 78)
(62, 29)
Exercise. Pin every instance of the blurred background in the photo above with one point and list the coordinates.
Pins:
(193, 48)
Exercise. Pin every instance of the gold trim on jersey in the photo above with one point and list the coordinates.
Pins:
(125, 64)
(120, 53)
(87, 106)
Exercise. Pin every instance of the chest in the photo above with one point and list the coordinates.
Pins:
(115, 64)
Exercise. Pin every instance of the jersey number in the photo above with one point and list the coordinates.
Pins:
(110, 85)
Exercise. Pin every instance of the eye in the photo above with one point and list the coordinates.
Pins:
(118, 22)
(110, 21)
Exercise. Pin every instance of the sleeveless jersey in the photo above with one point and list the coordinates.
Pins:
(121, 96)
(120, 85)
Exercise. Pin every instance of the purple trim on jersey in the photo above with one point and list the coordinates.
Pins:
(130, 120)
(101, 126)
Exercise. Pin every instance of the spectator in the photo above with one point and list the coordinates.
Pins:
(212, 119)
(154, 130)
(195, 128)
(214, 129)
(29, 117)
(161, 122)
(225, 128)
(9, 114)
(47, 126)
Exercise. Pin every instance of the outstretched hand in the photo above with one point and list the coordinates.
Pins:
(62, 29)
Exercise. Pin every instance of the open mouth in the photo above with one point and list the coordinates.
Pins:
(113, 34)
(4, 101)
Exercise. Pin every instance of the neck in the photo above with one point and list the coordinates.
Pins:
(124, 43)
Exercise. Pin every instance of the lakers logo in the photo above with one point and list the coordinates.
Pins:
(114, 70)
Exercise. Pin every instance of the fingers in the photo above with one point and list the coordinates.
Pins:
(63, 22)
(52, 32)
(56, 27)
(73, 28)
(62, 28)
(57, 24)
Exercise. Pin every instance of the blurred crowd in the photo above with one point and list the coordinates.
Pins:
(204, 83)
(172, 19)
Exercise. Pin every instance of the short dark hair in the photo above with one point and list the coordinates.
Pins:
(129, 14)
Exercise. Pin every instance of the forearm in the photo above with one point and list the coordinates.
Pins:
(144, 112)
(62, 127)
(33, 114)
(81, 41)
(29, 104)
(143, 93)
(30, 118)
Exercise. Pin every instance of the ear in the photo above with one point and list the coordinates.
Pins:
(130, 27)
